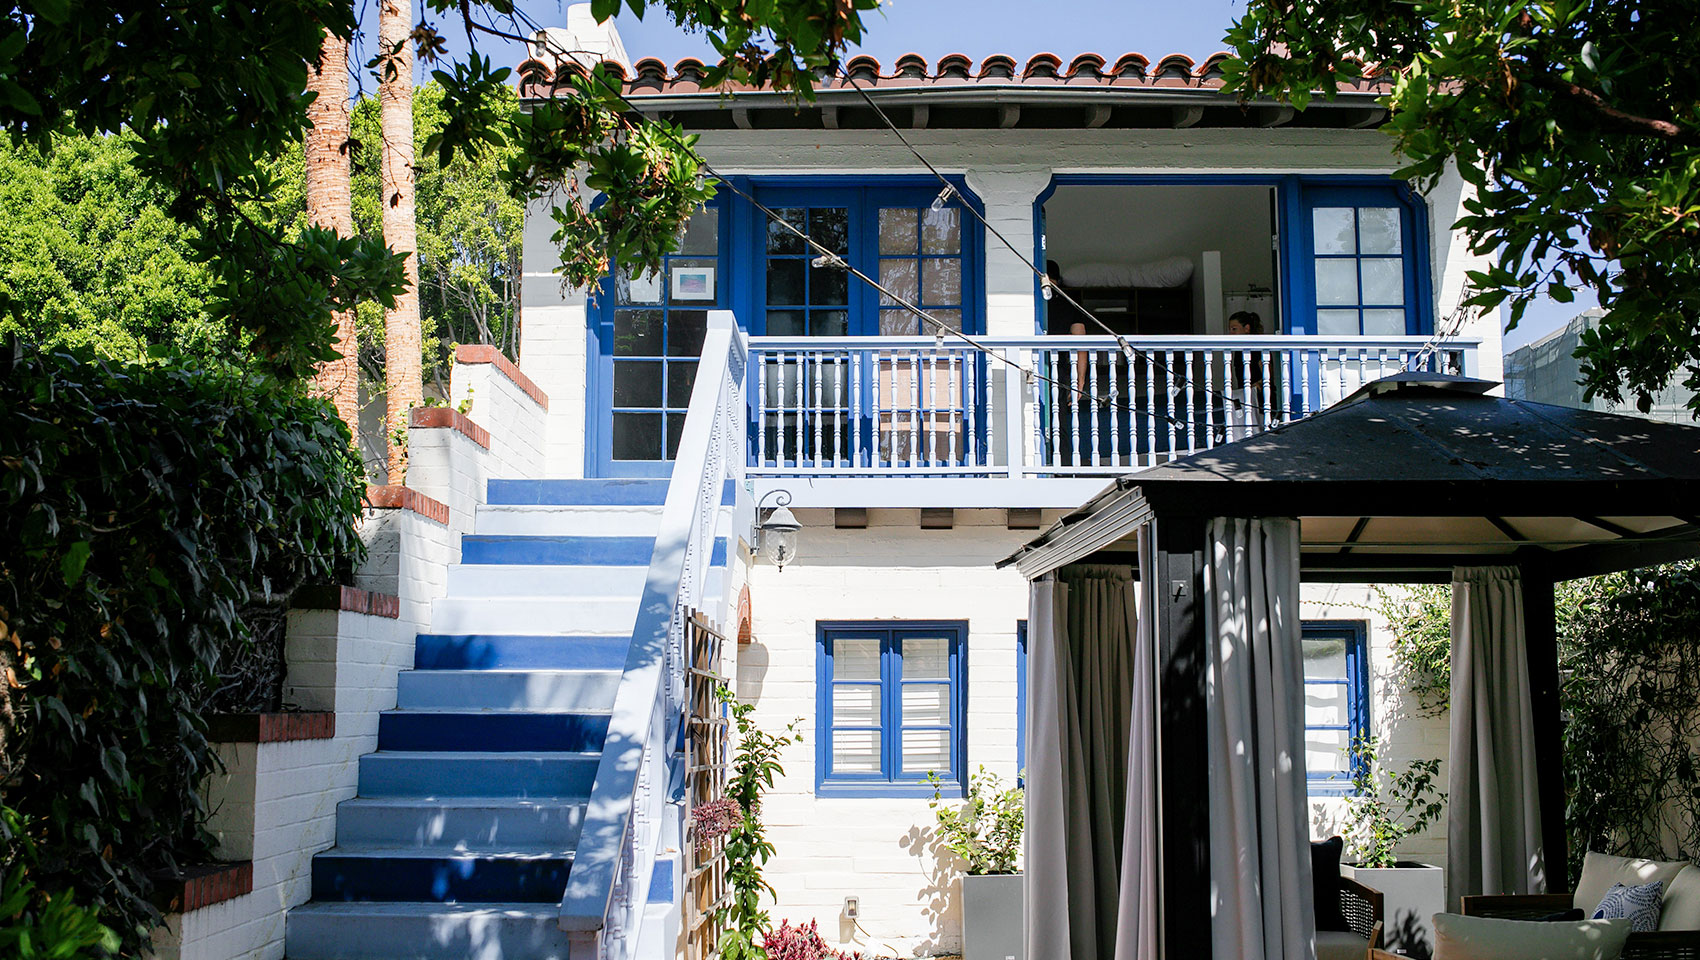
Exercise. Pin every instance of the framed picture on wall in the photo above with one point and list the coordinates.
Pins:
(693, 282)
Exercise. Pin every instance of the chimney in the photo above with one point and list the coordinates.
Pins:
(582, 40)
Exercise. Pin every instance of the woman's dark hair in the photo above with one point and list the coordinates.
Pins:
(1247, 318)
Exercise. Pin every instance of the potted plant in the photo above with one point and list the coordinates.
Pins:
(1385, 807)
(985, 832)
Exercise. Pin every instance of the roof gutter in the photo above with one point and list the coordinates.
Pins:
(975, 94)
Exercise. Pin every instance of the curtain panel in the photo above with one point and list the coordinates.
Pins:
(1091, 768)
(1493, 817)
(1259, 837)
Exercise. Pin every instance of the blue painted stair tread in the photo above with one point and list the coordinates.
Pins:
(426, 931)
(447, 773)
(586, 493)
(500, 731)
(518, 652)
(453, 822)
(569, 551)
(411, 874)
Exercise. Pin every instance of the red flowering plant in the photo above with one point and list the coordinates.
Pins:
(716, 819)
(786, 942)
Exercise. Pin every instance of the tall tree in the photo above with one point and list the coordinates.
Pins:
(403, 378)
(329, 205)
(1577, 122)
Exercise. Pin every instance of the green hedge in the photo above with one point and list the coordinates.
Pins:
(141, 508)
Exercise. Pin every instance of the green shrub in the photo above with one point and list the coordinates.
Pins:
(141, 509)
(986, 831)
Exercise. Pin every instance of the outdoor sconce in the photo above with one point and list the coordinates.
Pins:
(777, 535)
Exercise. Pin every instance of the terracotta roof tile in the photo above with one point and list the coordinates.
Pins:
(652, 77)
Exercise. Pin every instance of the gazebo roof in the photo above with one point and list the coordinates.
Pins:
(1424, 471)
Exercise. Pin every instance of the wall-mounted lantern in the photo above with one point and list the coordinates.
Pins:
(777, 535)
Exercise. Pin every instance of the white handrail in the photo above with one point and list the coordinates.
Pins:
(602, 909)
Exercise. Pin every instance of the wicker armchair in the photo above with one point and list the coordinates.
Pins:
(1659, 945)
(1362, 906)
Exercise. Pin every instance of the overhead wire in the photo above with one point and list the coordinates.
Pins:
(942, 329)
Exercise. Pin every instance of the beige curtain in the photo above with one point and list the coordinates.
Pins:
(1493, 823)
(1259, 838)
(1091, 710)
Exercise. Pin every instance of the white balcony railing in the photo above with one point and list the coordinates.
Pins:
(1046, 406)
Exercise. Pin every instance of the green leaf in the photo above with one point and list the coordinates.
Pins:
(75, 559)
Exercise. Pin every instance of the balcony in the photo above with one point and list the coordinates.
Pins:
(1028, 408)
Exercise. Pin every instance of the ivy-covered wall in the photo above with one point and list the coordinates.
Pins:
(144, 511)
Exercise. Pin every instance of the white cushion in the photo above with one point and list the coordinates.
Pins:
(1601, 870)
(1682, 901)
(1340, 945)
(1481, 938)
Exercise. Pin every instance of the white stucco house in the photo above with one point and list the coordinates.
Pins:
(916, 459)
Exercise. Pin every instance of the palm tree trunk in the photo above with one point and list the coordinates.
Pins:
(402, 374)
(328, 206)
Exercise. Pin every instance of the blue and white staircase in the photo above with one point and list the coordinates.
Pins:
(462, 835)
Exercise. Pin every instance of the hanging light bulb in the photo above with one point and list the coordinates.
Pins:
(938, 336)
(828, 260)
(1045, 288)
(943, 198)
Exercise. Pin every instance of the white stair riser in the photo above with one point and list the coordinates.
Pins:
(451, 824)
(533, 615)
(568, 521)
(507, 689)
(528, 580)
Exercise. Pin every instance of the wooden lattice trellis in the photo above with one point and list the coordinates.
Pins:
(707, 750)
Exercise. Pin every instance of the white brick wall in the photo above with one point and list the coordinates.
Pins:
(275, 803)
(516, 422)
(880, 850)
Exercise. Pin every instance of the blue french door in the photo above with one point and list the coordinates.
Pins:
(838, 407)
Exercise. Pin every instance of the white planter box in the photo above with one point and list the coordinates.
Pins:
(994, 923)
(1412, 894)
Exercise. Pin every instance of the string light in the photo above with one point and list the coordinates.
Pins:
(943, 198)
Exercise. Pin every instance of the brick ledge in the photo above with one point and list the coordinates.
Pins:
(206, 884)
(423, 418)
(391, 496)
(484, 353)
(350, 599)
(271, 727)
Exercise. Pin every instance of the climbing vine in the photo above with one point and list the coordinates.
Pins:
(755, 763)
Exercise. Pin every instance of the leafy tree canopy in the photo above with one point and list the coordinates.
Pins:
(1576, 121)
(214, 92)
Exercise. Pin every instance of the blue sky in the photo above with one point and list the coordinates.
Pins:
(1019, 28)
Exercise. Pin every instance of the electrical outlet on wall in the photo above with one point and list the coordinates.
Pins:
(852, 908)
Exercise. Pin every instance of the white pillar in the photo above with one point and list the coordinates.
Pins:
(554, 343)
(1008, 194)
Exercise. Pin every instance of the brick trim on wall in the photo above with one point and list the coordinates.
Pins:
(391, 496)
(352, 599)
(206, 884)
(484, 353)
(428, 417)
(271, 727)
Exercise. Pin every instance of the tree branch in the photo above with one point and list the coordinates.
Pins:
(1611, 116)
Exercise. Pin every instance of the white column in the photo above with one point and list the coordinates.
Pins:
(554, 343)
(1451, 259)
(1008, 194)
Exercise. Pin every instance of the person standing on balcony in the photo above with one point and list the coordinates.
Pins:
(1245, 376)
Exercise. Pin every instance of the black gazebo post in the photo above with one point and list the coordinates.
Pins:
(1540, 630)
(1184, 771)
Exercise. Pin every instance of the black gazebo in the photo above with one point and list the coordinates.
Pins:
(1405, 480)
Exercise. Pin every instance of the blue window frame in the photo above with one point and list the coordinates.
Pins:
(890, 708)
(648, 338)
(1336, 677)
(885, 227)
(1021, 703)
(1362, 249)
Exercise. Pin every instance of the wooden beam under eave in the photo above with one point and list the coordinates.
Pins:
(1278, 116)
(1097, 115)
(741, 118)
(829, 117)
(1187, 116)
(1009, 115)
(918, 117)
(1368, 117)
